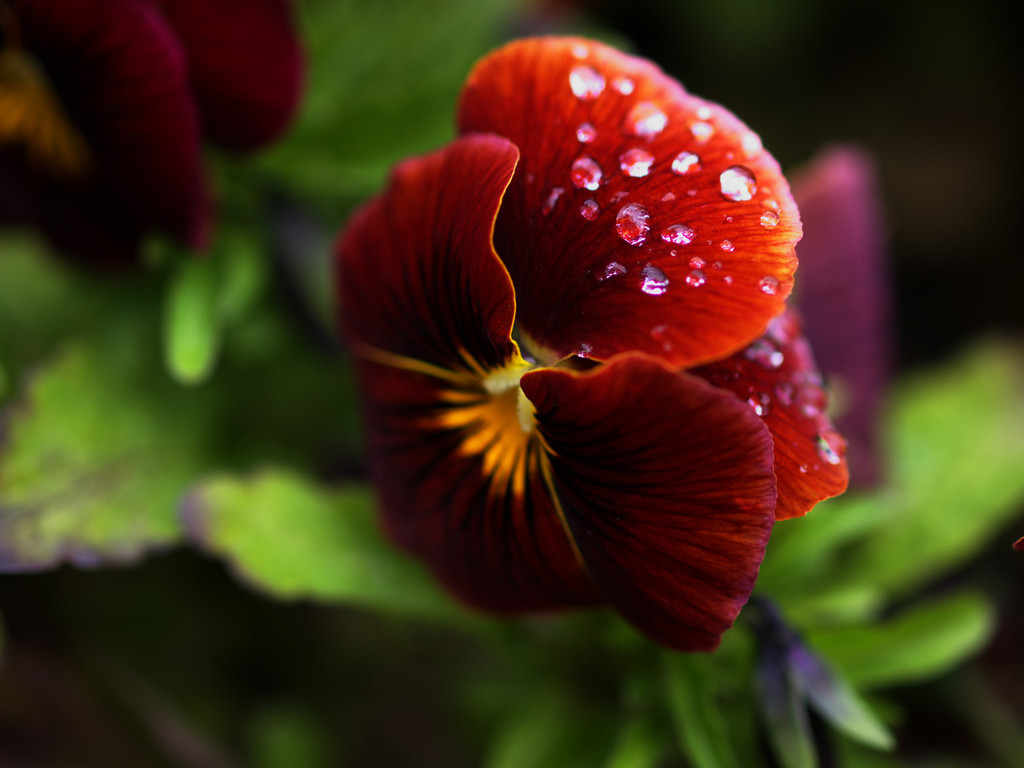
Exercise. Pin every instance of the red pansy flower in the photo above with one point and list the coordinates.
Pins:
(104, 103)
(581, 384)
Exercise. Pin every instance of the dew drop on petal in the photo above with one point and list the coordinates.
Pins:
(677, 234)
(633, 223)
(765, 354)
(830, 446)
(646, 120)
(769, 285)
(636, 162)
(589, 209)
(702, 131)
(727, 246)
(552, 199)
(655, 282)
(586, 133)
(785, 392)
(696, 262)
(769, 219)
(727, 279)
(584, 349)
(704, 113)
(614, 269)
(586, 173)
(623, 85)
(686, 162)
(586, 82)
(737, 183)
(696, 278)
(580, 51)
(761, 402)
(668, 197)
(751, 144)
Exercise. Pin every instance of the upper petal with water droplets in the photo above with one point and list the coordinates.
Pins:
(777, 377)
(666, 484)
(641, 217)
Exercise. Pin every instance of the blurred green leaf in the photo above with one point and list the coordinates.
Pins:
(641, 744)
(785, 715)
(192, 321)
(283, 735)
(925, 641)
(294, 539)
(690, 681)
(96, 455)
(956, 447)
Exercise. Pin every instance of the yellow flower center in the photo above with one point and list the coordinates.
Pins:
(31, 115)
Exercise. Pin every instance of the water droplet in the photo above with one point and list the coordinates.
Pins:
(632, 222)
(785, 392)
(584, 350)
(586, 82)
(623, 85)
(646, 120)
(769, 285)
(586, 173)
(702, 131)
(678, 234)
(751, 144)
(580, 51)
(636, 162)
(765, 354)
(727, 246)
(552, 199)
(704, 113)
(737, 183)
(668, 197)
(686, 162)
(830, 446)
(696, 262)
(696, 278)
(727, 279)
(769, 219)
(586, 133)
(761, 402)
(771, 203)
(614, 269)
(655, 283)
(589, 209)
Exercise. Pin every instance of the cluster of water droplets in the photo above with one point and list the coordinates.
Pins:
(644, 121)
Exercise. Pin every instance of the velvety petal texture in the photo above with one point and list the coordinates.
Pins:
(666, 483)
(428, 308)
(777, 378)
(246, 66)
(642, 217)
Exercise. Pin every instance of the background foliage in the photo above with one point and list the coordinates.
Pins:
(195, 574)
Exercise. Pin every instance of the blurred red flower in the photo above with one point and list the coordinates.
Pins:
(580, 379)
(104, 104)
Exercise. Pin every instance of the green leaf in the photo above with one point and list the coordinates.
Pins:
(192, 320)
(921, 643)
(956, 445)
(96, 455)
(641, 744)
(700, 726)
(785, 716)
(294, 539)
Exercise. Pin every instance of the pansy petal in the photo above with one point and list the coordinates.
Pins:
(245, 63)
(417, 274)
(121, 76)
(844, 294)
(641, 217)
(460, 489)
(428, 309)
(666, 484)
(778, 379)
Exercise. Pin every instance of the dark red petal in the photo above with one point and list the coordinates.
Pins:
(499, 546)
(843, 293)
(778, 379)
(428, 309)
(417, 274)
(666, 484)
(1019, 544)
(605, 261)
(122, 78)
(246, 66)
